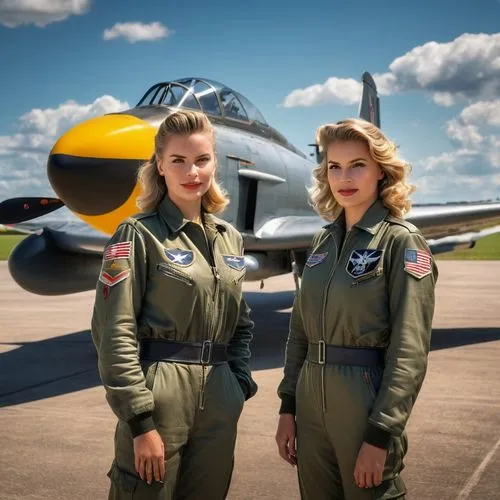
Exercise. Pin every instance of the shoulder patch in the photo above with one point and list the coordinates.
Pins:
(118, 251)
(236, 262)
(363, 261)
(417, 263)
(315, 259)
(179, 256)
(111, 280)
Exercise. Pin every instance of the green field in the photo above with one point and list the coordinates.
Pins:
(8, 242)
(486, 249)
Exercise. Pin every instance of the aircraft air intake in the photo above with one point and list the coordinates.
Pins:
(93, 167)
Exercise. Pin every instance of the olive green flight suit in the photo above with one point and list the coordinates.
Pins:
(157, 282)
(373, 287)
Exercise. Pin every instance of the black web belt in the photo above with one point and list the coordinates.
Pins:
(322, 353)
(200, 353)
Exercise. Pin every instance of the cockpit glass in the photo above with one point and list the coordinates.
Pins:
(206, 95)
(208, 98)
(232, 106)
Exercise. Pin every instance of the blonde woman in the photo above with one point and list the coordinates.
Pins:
(361, 324)
(171, 327)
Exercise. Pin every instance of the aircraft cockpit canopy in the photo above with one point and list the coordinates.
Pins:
(208, 96)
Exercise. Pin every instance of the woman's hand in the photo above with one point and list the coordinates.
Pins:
(285, 438)
(369, 466)
(149, 456)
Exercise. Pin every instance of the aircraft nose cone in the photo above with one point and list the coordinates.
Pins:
(93, 166)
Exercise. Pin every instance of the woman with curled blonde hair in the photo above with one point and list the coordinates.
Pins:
(360, 329)
(393, 188)
(172, 328)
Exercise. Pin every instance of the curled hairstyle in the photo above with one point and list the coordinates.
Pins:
(393, 189)
(182, 122)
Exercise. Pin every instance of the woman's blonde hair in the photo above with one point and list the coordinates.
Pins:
(182, 122)
(393, 188)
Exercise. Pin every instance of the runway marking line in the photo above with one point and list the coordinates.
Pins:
(476, 476)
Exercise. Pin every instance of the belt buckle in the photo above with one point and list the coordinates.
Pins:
(206, 352)
(321, 352)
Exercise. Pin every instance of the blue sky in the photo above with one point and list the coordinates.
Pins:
(437, 65)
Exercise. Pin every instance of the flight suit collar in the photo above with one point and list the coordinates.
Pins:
(373, 217)
(171, 215)
(370, 222)
(175, 220)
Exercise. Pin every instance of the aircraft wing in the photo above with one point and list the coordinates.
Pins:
(59, 256)
(445, 227)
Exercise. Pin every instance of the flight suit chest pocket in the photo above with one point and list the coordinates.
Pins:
(364, 265)
(175, 274)
(234, 268)
(173, 293)
(367, 278)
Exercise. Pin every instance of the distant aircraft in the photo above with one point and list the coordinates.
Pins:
(93, 168)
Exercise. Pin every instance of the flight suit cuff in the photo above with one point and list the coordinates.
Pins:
(142, 423)
(377, 437)
(287, 404)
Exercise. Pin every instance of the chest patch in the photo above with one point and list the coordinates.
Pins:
(179, 256)
(417, 263)
(363, 261)
(234, 261)
(315, 259)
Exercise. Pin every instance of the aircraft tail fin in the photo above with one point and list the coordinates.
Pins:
(369, 108)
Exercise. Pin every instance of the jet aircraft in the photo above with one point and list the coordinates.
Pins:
(93, 167)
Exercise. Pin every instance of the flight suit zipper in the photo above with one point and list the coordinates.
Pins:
(325, 297)
(211, 311)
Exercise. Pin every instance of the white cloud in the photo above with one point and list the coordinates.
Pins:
(137, 32)
(340, 90)
(23, 155)
(482, 112)
(14, 13)
(472, 171)
(467, 67)
(443, 99)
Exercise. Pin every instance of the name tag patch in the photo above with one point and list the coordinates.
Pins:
(236, 262)
(179, 256)
(315, 259)
(363, 261)
(417, 263)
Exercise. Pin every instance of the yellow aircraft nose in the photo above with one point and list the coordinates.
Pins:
(93, 167)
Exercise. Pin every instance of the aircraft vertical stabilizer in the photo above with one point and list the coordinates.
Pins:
(369, 108)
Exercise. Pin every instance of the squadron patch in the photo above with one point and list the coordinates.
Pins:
(315, 259)
(179, 256)
(363, 261)
(118, 251)
(417, 263)
(234, 261)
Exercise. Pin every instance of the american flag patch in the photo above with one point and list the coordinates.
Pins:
(118, 251)
(417, 263)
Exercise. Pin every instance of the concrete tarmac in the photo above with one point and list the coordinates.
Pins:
(56, 430)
